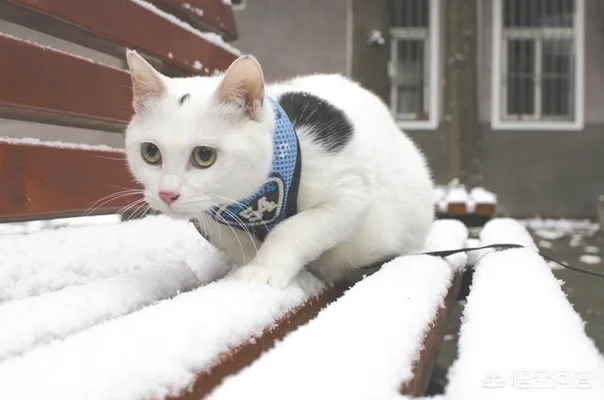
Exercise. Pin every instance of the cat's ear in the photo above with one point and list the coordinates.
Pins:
(147, 83)
(243, 86)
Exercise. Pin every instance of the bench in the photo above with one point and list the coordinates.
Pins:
(89, 284)
(140, 308)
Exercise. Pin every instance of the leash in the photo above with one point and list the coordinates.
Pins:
(499, 247)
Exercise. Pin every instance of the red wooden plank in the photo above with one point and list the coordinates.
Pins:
(238, 358)
(113, 25)
(206, 15)
(40, 181)
(433, 338)
(50, 86)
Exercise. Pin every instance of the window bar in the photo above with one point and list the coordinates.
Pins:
(426, 81)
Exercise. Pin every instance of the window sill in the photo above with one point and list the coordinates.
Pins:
(417, 125)
(537, 125)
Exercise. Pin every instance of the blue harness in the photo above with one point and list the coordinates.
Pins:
(276, 199)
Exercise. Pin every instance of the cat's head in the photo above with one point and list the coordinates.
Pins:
(194, 143)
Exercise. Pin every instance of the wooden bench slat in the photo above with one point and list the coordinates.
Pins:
(234, 360)
(118, 269)
(210, 15)
(37, 320)
(520, 336)
(43, 181)
(47, 85)
(88, 252)
(383, 334)
(158, 350)
(113, 25)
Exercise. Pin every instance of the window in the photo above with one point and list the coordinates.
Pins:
(538, 64)
(414, 63)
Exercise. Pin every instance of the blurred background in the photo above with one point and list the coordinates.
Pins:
(504, 93)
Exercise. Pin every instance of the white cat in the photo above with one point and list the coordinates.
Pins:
(200, 143)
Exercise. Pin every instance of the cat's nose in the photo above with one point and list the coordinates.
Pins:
(168, 197)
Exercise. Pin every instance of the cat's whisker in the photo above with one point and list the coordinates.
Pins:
(137, 203)
(109, 198)
(138, 213)
(201, 218)
(241, 224)
(236, 237)
(111, 158)
(246, 230)
(134, 205)
(238, 203)
(126, 188)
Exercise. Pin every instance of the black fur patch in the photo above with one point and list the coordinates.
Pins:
(329, 125)
(184, 98)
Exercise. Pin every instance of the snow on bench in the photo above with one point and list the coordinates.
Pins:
(128, 279)
(365, 345)
(161, 349)
(455, 200)
(80, 255)
(520, 338)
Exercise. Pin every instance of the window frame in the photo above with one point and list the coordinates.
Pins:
(430, 37)
(499, 90)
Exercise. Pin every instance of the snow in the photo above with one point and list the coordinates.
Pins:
(554, 265)
(362, 346)
(520, 337)
(480, 195)
(208, 36)
(590, 259)
(506, 231)
(545, 244)
(197, 65)
(438, 193)
(80, 255)
(576, 240)
(473, 255)
(40, 319)
(11, 228)
(448, 234)
(155, 351)
(591, 249)
(552, 229)
(456, 193)
(196, 10)
(57, 144)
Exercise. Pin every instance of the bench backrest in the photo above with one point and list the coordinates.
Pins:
(37, 83)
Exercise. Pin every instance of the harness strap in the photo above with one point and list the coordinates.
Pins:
(277, 199)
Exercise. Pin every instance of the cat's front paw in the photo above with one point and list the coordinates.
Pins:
(263, 275)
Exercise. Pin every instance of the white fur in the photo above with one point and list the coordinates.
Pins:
(370, 201)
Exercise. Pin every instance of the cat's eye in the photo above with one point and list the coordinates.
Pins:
(203, 156)
(150, 153)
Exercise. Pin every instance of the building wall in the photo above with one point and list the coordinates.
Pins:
(548, 173)
(291, 38)
(557, 173)
(551, 173)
